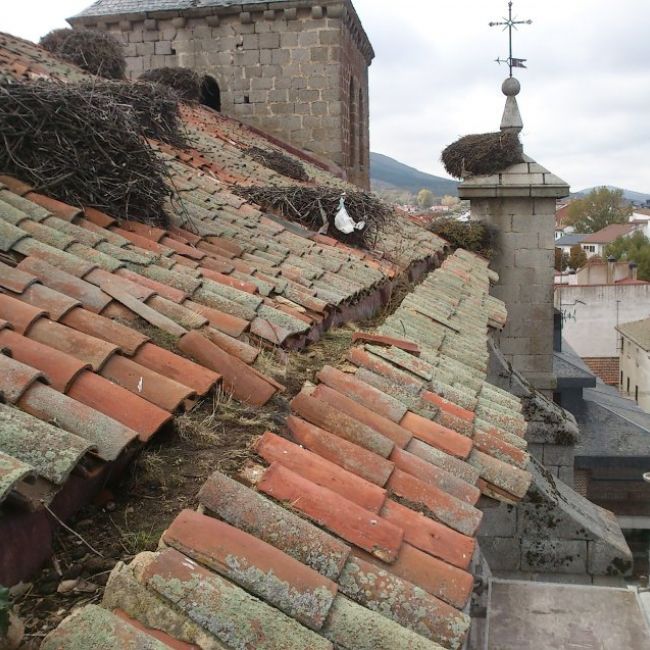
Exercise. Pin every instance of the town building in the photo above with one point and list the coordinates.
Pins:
(596, 243)
(635, 361)
(296, 69)
(568, 240)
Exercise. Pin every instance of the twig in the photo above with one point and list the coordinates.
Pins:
(70, 530)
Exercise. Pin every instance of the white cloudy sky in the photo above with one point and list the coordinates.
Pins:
(585, 99)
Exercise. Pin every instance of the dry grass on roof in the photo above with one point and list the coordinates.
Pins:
(279, 162)
(84, 146)
(184, 81)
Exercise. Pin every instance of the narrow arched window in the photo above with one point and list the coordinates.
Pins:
(352, 119)
(362, 129)
(210, 92)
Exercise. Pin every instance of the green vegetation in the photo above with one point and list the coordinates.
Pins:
(425, 199)
(577, 257)
(561, 260)
(472, 236)
(635, 248)
(5, 608)
(600, 208)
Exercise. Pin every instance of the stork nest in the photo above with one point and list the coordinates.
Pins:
(316, 209)
(483, 153)
(94, 51)
(279, 162)
(82, 146)
(184, 81)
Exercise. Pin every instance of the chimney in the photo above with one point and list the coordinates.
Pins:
(519, 204)
(634, 271)
(611, 269)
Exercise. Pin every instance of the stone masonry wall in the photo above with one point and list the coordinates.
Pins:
(286, 70)
(524, 245)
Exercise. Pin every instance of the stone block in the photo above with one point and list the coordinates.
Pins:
(251, 42)
(317, 11)
(499, 522)
(290, 13)
(320, 54)
(144, 49)
(501, 553)
(179, 21)
(266, 57)
(289, 39)
(213, 20)
(319, 108)
(269, 15)
(268, 41)
(135, 36)
(162, 47)
(605, 559)
(328, 37)
(336, 11)
(150, 25)
(280, 56)
(134, 64)
(150, 37)
(535, 363)
(554, 556)
(262, 83)
(533, 258)
(308, 39)
(245, 17)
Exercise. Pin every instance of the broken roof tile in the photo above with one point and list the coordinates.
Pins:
(379, 339)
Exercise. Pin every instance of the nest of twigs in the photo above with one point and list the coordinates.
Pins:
(279, 162)
(156, 108)
(92, 50)
(483, 153)
(184, 81)
(316, 209)
(473, 236)
(82, 146)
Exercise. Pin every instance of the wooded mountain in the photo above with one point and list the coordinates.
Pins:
(628, 195)
(388, 173)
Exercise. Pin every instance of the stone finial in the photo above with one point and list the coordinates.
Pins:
(511, 120)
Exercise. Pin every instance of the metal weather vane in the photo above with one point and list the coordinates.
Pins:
(510, 23)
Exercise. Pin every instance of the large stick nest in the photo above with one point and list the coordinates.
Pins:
(483, 153)
(184, 81)
(316, 208)
(80, 145)
(155, 106)
(279, 162)
(92, 50)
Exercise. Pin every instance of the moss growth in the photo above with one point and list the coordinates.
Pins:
(473, 236)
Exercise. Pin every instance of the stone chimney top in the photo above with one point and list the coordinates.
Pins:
(511, 120)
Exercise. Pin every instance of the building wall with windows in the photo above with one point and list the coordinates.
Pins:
(635, 372)
(296, 69)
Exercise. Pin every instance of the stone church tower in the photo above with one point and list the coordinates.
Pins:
(295, 68)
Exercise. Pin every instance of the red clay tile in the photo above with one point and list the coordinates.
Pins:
(439, 505)
(54, 303)
(183, 235)
(128, 340)
(379, 589)
(15, 186)
(342, 425)
(269, 331)
(267, 572)
(109, 436)
(430, 536)
(250, 511)
(494, 446)
(59, 368)
(226, 323)
(164, 290)
(238, 379)
(19, 314)
(363, 393)
(16, 378)
(364, 359)
(447, 406)
(226, 244)
(183, 249)
(438, 578)
(148, 384)
(86, 348)
(139, 241)
(139, 291)
(200, 379)
(118, 403)
(144, 230)
(504, 476)
(229, 281)
(99, 218)
(400, 436)
(348, 520)
(434, 475)
(86, 293)
(58, 208)
(14, 279)
(388, 341)
(165, 639)
(351, 457)
(437, 436)
(218, 251)
(243, 351)
(184, 261)
(216, 263)
(314, 468)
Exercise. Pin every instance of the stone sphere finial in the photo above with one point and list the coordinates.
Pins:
(511, 87)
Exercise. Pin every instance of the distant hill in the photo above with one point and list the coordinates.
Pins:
(628, 195)
(388, 173)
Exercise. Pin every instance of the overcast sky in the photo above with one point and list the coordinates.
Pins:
(585, 99)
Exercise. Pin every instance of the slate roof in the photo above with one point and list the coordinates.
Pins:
(356, 528)
(570, 240)
(638, 332)
(609, 234)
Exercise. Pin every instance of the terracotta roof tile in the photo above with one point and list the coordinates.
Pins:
(14, 279)
(378, 339)
(251, 512)
(20, 315)
(60, 209)
(167, 640)
(12, 472)
(238, 378)
(118, 403)
(56, 304)
(261, 569)
(15, 378)
(318, 470)
(437, 436)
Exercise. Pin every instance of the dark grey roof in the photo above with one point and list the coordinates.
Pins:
(117, 7)
(570, 240)
(571, 371)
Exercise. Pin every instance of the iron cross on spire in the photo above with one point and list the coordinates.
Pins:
(509, 23)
